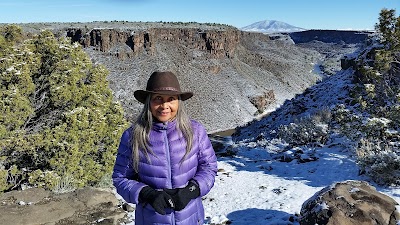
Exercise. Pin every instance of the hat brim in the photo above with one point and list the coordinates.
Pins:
(141, 95)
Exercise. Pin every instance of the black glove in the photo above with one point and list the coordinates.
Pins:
(182, 196)
(160, 200)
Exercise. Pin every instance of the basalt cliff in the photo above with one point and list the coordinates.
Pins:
(236, 76)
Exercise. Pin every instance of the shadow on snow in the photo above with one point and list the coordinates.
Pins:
(261, 217)
(331, 166)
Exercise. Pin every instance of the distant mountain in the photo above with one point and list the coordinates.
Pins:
(271, 26)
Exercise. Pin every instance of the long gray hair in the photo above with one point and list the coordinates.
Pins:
(142, 127)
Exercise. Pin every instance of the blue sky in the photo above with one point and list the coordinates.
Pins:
(308, 14)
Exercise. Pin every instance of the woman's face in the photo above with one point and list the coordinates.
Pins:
(164, 107)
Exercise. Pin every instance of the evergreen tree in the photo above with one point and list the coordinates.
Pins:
(389, 27)
(58, 119)
(378, 94)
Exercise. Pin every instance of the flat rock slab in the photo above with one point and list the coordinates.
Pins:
(83, 206)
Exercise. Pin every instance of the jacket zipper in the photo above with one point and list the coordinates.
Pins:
(169, 176)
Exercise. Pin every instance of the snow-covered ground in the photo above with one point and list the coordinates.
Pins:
(253, 188)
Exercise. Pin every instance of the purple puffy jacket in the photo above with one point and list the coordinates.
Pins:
(166, 171)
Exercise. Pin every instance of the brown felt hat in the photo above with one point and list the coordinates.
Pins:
(164, 83)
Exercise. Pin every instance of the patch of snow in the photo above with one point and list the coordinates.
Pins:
(21, 203)
(354, 190)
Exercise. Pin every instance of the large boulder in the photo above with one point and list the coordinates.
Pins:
(349, 203)
(83, 206)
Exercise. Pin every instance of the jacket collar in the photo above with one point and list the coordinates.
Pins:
(164, 126)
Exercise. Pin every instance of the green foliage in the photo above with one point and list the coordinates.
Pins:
(373, 121)
(378, 82)
(389, 27)
(382, 59)
(64, 185)
(12, 33)
(357, 127)
(59, 124)
(307, 130)
(347, 122)
(394, 115)
(379, 160)
(3, 47)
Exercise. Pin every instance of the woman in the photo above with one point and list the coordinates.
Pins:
(165, 161)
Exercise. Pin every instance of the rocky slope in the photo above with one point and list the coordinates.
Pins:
(235, 75)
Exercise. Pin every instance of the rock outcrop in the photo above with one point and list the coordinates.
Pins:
(349, 203)
(263, 100)
(217, 43)
(84, 206)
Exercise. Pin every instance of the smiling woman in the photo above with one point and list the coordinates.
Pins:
(164, 107)
(165, 162)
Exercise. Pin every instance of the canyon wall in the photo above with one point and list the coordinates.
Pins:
(236, 76)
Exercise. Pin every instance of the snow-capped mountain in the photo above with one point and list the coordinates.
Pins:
(271, 26)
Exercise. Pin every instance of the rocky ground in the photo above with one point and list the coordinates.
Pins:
(36, 206)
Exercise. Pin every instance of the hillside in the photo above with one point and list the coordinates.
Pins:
(235, 75)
